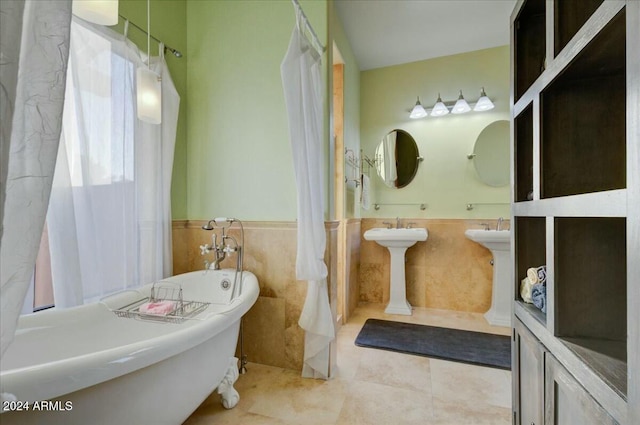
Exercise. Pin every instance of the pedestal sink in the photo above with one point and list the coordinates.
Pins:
(397, 241)
(499, 243)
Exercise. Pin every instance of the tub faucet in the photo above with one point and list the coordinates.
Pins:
(499, 223)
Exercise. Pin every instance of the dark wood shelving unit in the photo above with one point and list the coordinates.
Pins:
(576, 203)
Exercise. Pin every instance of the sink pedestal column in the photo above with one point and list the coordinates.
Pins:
(398, 303)
(500, 312)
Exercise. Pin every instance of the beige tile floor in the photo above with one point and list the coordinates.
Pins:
(373, 386)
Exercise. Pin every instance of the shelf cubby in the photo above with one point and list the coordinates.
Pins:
(524, 154)
(569, 17)
(583, 130)
(590, 275)
(530, 241)
(530, 45)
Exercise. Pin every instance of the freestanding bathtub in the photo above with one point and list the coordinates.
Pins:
(86, 365)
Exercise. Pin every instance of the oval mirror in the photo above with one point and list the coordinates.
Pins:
(491, 154)
(397, 159)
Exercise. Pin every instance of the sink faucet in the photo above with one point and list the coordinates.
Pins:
(398, 223)
(499, 223)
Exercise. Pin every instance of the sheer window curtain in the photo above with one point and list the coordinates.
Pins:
(303, 89)
(34, 44)
(109, 216)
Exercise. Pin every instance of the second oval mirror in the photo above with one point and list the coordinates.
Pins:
(397, 159)
(491, 154)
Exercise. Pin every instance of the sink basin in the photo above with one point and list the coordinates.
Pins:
(396, 237)
(499, 240)
(499, 243)
(397, 241)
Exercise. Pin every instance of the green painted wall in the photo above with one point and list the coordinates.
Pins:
(169, 24)
(446, 180)
(239, 155)
(351, 107)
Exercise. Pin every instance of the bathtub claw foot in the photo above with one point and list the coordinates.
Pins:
(230, 397)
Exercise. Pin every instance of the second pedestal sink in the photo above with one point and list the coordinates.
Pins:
(397, 241)
(499, 243)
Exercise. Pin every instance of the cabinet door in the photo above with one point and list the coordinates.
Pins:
(528, 376)
(567, 402)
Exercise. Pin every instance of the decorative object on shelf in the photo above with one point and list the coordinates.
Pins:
(101, 12)
(148, 85)
(460, 106)
(536, 276)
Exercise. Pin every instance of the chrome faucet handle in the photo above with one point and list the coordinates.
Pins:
(204, 249)
(485, 225)
(388, 224)
(410, 224)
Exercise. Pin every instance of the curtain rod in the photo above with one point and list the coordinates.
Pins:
(175, 52)
(308, 25)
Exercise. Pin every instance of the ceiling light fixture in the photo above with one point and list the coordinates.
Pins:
(149, 87)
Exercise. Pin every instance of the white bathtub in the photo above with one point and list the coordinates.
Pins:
(98, 368)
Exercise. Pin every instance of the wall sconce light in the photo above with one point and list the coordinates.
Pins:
(484, 103)
(148, 86)
(461, 106)
(418, 111)
(101, 12)
(439, 109)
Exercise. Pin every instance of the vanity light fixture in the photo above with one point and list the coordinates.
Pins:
(101, 12)
(459, 107)
(484, 103)
(418, 111)
(148, 86)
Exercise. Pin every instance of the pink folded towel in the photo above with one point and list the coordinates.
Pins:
(161, 308)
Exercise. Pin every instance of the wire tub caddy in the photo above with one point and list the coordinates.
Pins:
(162, 292)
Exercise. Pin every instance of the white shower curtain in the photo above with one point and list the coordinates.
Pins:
(109, 217)
(303, 89)
(34, 43)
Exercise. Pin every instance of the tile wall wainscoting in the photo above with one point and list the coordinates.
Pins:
(272, 335)
(352, 266)
(447, 271)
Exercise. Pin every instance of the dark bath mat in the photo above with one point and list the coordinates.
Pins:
(448, 344)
